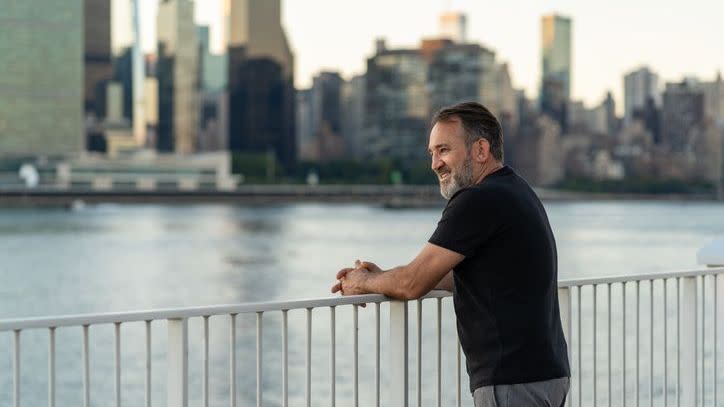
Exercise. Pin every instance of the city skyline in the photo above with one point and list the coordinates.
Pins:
(669, 39)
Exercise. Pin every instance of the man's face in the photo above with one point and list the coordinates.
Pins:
(451, 160)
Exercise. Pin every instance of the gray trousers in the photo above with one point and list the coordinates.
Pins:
(549, 393)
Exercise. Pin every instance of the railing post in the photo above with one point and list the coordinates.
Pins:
(687, 347)
(398, 354)
(178, 362)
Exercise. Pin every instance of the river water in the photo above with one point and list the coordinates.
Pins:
(108, 258)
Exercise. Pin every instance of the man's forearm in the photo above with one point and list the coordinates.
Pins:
(398, 282)
(393, 283)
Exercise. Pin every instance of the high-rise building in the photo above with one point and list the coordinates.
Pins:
(41, 85)
(538, 152)
(462, 72)
(353, 113)
(683, 111)
(307, 148)
(556, 66)
(325, 117)
(454, 26)
(213, 125)
(260, 80)
(177, 77)
(714, 99)
(639, 86)
(97, 58)
(212, 66)
(396, 104)
(468, 72)
(123, 74)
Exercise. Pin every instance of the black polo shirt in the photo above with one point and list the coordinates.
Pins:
(505, 290)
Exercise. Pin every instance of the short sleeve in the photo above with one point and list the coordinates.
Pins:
(467, 223)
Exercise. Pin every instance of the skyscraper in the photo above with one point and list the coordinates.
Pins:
(639, 86)
(556, 66)
(261, 80)
(41, 85)
(396, 104)
(178, 76)
(98, 66)
(683, 111)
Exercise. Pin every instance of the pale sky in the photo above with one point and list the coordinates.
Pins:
(610, 38)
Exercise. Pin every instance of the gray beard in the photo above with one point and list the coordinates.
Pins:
(458, 180)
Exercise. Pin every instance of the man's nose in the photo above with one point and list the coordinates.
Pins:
(436, 162)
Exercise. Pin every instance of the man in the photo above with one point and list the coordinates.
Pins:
(494, 249)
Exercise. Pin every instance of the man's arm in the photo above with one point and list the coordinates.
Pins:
(408, 282)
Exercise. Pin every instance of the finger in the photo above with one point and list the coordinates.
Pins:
(343, 272)
(357, 263)
(337, 287)
(369, 266)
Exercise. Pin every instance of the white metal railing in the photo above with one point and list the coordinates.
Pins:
(670, 360)
(680, 353)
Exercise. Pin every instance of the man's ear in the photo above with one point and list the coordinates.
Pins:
(482, 150)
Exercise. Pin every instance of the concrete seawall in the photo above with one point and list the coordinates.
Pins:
(400, 196)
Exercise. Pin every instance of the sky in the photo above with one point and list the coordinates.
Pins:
(610, 38)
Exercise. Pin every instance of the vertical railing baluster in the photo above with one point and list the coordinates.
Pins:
(377, 354)
(285, 359)
(565, 305)
(689, 341)
(623, 343)
(117, 354)
(205, 365)
(678, 342)
(666, 343)
(579, 373)
(702, 349)
(439, 352)
(232, 360)
(716, 337)
(651, 343)
(259, 357)
(332, 356)
(419, 353)
(86, 368)
(148, 364)
(308, 360)
(595, 353)
(398, 387)
(608, 302)
(355, 351)
(637, 348)
(16, 368)
(458, 386)
(51, 367)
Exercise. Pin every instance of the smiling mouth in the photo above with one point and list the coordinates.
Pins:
(444, 177)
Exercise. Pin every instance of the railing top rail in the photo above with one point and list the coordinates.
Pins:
(244, 308)
(190, 312)
(574, 282)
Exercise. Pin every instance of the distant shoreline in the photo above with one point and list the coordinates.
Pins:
(392, 196)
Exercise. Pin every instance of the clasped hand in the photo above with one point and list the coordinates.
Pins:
(351, 281)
